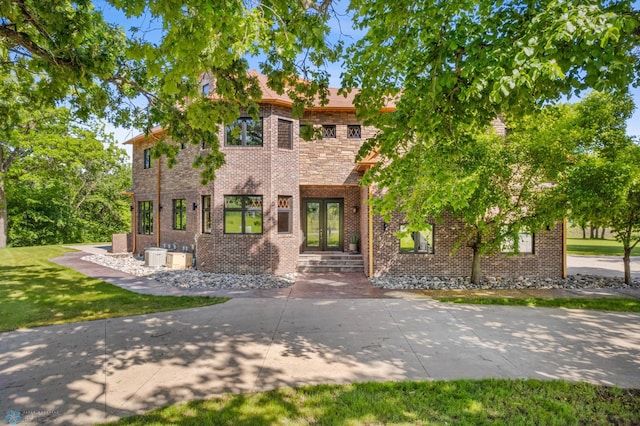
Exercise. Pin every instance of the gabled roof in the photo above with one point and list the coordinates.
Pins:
(336, 103)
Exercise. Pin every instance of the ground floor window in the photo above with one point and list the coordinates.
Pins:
(525, 243)
(180, 214)
(416, 242)
(243, 214)
(285, 216)
(206, 214)
(145, 217)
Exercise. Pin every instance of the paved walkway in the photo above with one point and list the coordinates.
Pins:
(82, 373)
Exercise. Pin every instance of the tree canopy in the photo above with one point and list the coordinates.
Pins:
(63, 50)
(602, 185)
(449, 68)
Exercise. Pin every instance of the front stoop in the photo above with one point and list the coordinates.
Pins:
(330, 262)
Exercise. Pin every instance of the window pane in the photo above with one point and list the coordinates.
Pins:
(180, 214)
(284, 222)
(253, 132)
(407, 245)
(332, 214)
(233, 135)
(354, 132)
(206, 213)
(313, 224)
(253, 222)
(285, 137)
(329, 131)
(233, 222)
(425, 240)
(232, 201)
(147, 158)
(254, 202)
(145, 217)
(525, 243)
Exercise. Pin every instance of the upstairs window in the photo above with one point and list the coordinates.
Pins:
(417, 242)
(147, 158)
(180, 214)
(145, 217)
(328, 131)
(354, 132)
(205, 89)
(243, 214)
(244, 132)
(285, 134)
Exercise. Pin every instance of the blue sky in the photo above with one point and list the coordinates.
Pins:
(341, 28)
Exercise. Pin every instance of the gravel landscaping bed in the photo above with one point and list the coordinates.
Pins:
(190, 278)
(491, 283)
(197, 279)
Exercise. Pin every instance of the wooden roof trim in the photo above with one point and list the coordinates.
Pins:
(369, 161)
(155, 134)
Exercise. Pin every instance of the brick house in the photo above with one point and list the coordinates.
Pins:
(279, 197)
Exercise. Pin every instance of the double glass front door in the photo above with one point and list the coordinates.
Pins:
(323, 224)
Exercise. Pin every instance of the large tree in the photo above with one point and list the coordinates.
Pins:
(603, 183)
(452, 67)
(65, 51)
(63, 182)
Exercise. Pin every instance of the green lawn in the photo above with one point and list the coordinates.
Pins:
(601, 304)
(597, 247)
(460, 402)
(36, 292)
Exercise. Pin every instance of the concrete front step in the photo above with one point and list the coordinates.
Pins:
(330, 262)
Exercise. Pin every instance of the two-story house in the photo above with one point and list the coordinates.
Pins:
(279, 197)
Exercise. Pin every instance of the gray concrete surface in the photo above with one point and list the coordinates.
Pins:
(607, 266)
(95, 371)
(90, 372)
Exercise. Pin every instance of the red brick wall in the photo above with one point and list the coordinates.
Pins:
(546, 261)
(318, 169)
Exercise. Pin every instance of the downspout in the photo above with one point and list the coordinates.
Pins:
(134, 224)
(370, 234)
(159, 206)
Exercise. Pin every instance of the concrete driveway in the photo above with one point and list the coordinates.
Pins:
(95, 371)
(607, 266)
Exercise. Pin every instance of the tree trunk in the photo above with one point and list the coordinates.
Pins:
(591, 232)
(476, 268)
(627, 265)
(3, 213)
(602, 234)
(584, 233)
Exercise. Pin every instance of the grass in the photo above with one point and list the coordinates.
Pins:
(460, 402)
(597, 247)
(599, 304)
(36, 292)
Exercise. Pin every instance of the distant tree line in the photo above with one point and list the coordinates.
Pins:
(61, 180)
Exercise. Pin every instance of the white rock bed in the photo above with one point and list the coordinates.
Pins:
(197, 279)
(491, 283)
(191, 278)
